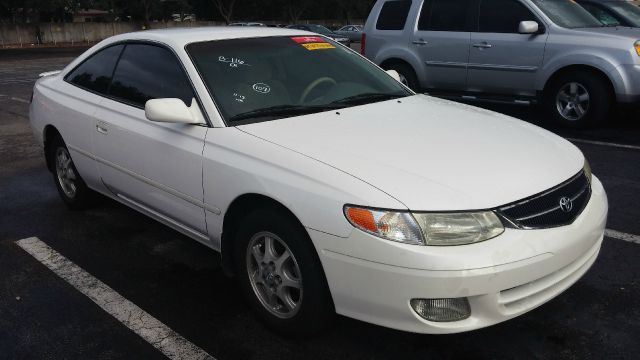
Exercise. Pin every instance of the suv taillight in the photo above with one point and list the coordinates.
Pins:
(363, 43)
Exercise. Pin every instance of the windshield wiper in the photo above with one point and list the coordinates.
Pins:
(367, 98)
(283, 110)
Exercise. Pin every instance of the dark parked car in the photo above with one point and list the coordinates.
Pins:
(319, 29)
(613, 12)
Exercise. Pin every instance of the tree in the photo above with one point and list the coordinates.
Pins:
(295, 8)
(225, 8)
(146, 10)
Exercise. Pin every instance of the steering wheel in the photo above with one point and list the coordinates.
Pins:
(313, 85)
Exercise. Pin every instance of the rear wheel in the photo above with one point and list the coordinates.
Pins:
(578, 99)
(72, 189)
(407, 75)
(280, 274)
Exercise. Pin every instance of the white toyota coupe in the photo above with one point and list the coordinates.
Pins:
(327, 185)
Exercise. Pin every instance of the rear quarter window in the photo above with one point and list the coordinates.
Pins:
(393, 15)
(95, 73)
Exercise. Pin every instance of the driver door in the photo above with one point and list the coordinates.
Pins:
(155, 167)
(503, 61)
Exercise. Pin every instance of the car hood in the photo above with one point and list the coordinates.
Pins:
(614, 31)
(431, 154)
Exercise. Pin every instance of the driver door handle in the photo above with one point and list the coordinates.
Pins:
(483, 45)
(101, 128)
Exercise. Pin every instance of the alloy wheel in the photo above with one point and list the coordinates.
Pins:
(65, 173)
(572, 101)
(274, 274)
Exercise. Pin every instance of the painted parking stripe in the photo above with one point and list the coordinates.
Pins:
(15, 99)
(622, 236)
(20, 100)
(170, 343)
(603, 143)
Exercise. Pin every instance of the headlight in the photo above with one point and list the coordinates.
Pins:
(587, 170)
(445, 229)
(435, 229)
(636, 45)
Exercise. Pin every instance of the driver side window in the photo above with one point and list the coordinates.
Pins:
(147, 72)
(503, 16)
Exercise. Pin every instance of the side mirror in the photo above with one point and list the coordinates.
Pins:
(394, 74)
(528, 27)
(173, 111)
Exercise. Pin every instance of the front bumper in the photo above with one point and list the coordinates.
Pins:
(374, 280)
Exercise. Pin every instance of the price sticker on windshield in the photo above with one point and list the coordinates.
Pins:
(313, 42)
(318, 46)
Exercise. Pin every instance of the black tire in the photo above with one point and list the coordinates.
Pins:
(407, 74)
(315, 311)
(594, 111)
(82, 197)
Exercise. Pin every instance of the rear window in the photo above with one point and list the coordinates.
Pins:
(393, 15)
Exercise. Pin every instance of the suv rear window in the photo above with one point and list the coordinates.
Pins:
(444, 15)
(393, 15)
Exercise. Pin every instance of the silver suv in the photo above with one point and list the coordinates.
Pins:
(522, 51)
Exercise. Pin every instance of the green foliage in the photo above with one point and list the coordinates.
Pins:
(283, 11)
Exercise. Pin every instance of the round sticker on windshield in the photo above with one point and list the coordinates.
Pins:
(261, 88)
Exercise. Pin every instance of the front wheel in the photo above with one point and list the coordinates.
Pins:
(578, 99)
(280, 274)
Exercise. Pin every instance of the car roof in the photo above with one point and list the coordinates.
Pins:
(179, 37)
(607, 1)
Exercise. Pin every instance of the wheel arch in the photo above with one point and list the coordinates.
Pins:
(394, 60)
(580, 68)
(48, 134)
(239, 207)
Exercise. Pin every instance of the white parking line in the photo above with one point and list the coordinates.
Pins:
(170, 343)
(622, 236)
(602, 143)
(20, 100)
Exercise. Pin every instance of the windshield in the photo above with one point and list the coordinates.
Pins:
(567, 13)
(630, 11)
(262, 79)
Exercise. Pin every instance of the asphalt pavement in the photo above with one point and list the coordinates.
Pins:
(180, 283)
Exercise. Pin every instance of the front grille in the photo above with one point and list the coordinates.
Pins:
(545, 211)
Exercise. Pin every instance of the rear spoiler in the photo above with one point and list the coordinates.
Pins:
(50, 73)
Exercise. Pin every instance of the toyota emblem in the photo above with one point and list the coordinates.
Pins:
(566, 204)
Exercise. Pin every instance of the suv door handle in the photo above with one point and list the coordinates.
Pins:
(483, 45)
(101, 129)
(420, 42)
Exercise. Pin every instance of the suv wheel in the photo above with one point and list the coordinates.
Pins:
(407, 75)
(578, 99)
(72, 189)
(280, 273)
